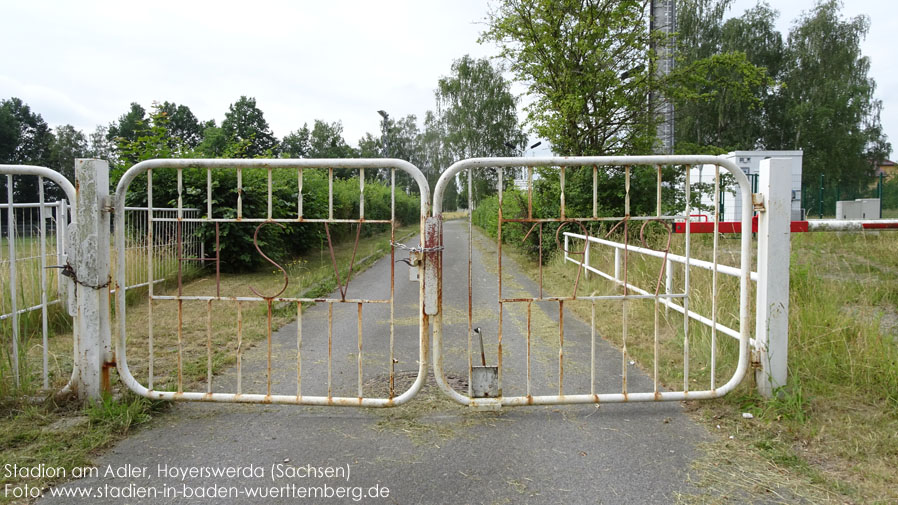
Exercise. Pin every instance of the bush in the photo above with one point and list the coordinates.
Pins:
(237, 249)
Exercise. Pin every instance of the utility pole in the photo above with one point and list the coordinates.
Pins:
(385, 129)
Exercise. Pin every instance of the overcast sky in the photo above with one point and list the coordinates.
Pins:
(83, 62)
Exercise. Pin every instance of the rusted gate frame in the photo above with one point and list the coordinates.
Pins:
(595, 162)
(288, 164)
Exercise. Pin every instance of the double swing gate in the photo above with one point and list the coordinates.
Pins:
(370, 343)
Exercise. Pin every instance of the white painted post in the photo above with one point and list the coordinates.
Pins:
(772, 324)
(566, 247)
(90, 249)
(586, 260)
(616, 264)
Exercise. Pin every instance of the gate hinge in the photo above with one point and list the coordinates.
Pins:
(106, 205)
(757, 201)
(755, 362)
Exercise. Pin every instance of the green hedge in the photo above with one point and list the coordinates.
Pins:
(236, 239)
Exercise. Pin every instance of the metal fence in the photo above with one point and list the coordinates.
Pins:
(30, 288)
(621, 250)
(33, 260)
(86, 262)
(32, 242)
(165, 243)
(819, 196)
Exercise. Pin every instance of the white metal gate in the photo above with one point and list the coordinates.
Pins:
(588, 391)
(238, 212)
(85, 263)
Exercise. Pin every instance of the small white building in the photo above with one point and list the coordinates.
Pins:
(750, 163)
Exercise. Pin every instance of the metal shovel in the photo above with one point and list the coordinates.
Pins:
(484, 379)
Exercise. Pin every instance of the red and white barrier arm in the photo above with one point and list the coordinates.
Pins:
(796, 226)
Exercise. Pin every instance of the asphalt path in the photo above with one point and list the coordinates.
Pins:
(430, 451)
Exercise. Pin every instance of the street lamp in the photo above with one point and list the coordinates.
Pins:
(524, 152)
(386, 117)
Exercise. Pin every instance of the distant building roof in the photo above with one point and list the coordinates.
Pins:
(886, 167)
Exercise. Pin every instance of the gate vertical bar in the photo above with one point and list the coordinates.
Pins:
(62, 216)
(44, 329)
(13, 284)
(151, 277)
(92, 347)
(772, 312)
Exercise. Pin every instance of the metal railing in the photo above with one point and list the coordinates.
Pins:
(621, 249)
(87, 266)
(165, 248)
(33, 259)
(30, 285)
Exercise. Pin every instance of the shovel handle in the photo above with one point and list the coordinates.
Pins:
(482, 353)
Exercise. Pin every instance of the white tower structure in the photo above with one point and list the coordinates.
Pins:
(664, 19)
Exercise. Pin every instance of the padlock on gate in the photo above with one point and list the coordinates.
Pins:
(414, 259)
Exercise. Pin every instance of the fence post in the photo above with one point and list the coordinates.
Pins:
(772, 310)
(821, 196)
(93, 349)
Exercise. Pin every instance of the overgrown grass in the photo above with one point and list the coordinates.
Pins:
(458, 214)
(34, 431)
(58, 436)
(831, 436)
(30, 324)
(27, 295)
(310, 275)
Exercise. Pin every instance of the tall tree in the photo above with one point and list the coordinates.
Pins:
(129, 126)
(245, 124)
(434, 156)
(326, 141)
(402, 141)
(370, 146)
(296, 143)
(183, 125)
(154, 141)
(700, 28)
(719, 101)
(722, 78)
(477, 114)
(68, 144)
(755, 34)
(25, 139)
(477, 110)
(830, 108)
(217, 144)
(585, 64)
(100, 147)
